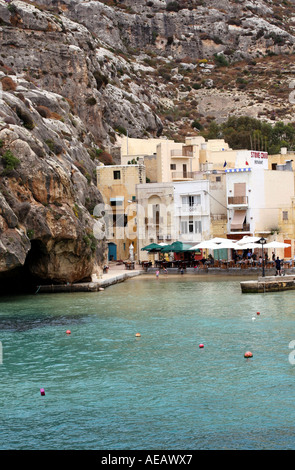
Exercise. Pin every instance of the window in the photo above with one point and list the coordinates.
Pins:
(191, 200)
(285, 215)
(191, 226)
(198, 226)
(117, 175)
(156, 214)
(183, 227)
(218, 179)
(173, 166)
(116, 203)
(120, 220)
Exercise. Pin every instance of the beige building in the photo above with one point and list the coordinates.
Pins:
(285, 157)
(177, 161)
(168, 161)
(117, 184)
(155, 216)
(132, 150)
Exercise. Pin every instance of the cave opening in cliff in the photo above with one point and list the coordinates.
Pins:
(35, 263)
(23, 279)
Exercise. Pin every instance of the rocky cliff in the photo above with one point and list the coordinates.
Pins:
(48, 189)
(75, 75)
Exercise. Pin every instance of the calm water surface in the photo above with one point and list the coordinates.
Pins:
(107, 389)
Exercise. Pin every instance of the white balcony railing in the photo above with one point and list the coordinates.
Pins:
(186, 208)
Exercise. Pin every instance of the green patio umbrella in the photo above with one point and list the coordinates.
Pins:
(176, 247)
(152, 247)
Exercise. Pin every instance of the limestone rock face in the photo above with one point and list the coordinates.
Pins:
(184, 28)
(47, 190)
(59, 54)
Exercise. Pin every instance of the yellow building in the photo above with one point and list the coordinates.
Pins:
(168, 161)
(283, 158)
(117, 184)
(215, 153)
(132, 148)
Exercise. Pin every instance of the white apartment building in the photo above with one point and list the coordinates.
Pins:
(256, 196)
(192, 210)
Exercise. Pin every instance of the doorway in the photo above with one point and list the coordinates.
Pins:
(112, 252)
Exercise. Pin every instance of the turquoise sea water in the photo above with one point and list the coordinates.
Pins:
(107, 389)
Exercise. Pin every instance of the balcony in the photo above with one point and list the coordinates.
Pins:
(185, 209)
(182, 175)
(244, 228)
(180, 153)
(237, 200)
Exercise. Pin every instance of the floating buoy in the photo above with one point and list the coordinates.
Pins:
(201, 345)
(253, 318)
(42, 391)
(258, 313)
(138, 335)
(68, 332)
(248, 354)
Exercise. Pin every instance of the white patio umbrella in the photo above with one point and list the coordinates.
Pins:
(229, 244)
(275, 244)
(207, 244)
(218, 240)
(247, 239)
(248, 246)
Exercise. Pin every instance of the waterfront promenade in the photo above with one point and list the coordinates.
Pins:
(118, 273)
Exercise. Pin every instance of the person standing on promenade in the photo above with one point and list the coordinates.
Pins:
(278, 266)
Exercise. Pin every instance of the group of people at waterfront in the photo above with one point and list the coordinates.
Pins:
(248, 259)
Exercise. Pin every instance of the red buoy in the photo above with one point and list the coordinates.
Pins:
(258, 313)
(68, 332)
(248, 354)
(201, 345)
(42, 391)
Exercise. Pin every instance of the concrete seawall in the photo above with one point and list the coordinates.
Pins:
(106, 281)
(268, 284)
